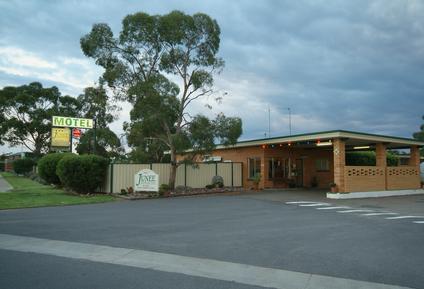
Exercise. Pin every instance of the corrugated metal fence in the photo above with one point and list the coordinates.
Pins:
(121, 176)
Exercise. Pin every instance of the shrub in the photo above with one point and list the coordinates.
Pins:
(82, 174)
(218, 181)
(47, 166)
(164, 188)
(367, 158)
(23, 166)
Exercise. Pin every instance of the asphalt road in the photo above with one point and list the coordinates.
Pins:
(242, 229)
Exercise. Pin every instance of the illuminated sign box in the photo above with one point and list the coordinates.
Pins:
(64, 121)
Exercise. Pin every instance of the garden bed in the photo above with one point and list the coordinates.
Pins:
(177, 193)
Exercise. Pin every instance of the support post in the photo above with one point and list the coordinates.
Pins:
(380, 155)
(381, 160)
(414, 159)
(95, 140)
(339, 159)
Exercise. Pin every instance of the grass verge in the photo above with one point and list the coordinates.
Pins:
(27, 193)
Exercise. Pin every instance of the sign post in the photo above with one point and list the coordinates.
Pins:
(146, 180)
(64, 127)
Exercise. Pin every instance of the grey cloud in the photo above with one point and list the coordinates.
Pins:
(349, 64)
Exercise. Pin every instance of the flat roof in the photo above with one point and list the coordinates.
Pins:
(352, 138)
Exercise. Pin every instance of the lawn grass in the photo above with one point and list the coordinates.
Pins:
(27, 193)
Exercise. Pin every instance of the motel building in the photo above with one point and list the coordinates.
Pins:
(318, 160)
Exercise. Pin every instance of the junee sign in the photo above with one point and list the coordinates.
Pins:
(61, 137)
(146, 180)
(64, 121)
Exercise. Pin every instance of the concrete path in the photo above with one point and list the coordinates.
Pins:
(199, 267)
(4, 185)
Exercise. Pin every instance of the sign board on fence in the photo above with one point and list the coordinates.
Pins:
(146, 180)
(61, 137)
(64, 121)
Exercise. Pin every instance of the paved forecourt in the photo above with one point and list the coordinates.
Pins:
(198, 267)
(240, 231)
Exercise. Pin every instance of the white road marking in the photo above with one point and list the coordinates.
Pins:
(355, 211)
(300, 202)
(418, 222)
(333, 208)
(404, 217)
(199, 267)
(315, 205)
(379, 214)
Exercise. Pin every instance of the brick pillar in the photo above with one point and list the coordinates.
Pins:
(263, 167)
(380, 155)
(339, 157)
(414, 159)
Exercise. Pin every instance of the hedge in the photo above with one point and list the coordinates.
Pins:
(82, 174)
(367, 158)
(47, 166)
(23, 166)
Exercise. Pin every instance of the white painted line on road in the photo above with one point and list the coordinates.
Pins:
(199, 267)
(299, 202)
(418, 222)
(355, 211)
(333, 208)
(315, 205)
(379, 214)
(404, 217)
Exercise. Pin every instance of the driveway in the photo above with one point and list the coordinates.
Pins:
(4, 185)
(210, 242)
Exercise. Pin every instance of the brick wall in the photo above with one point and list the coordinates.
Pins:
(309, 157)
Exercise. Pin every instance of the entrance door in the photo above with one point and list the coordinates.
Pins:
(299, 172)
(276, 169)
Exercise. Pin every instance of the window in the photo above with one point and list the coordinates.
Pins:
(254, 167)
(322, 165)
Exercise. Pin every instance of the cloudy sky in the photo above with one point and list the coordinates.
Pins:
(355, 65)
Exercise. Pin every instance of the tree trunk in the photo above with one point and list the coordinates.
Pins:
(173, 170)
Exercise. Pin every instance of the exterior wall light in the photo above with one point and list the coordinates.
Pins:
(327, 143)
(361, 147)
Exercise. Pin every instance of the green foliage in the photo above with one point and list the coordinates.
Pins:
(257, 178)
(218, 181)
(47, 166)
(140, 66)
(367, 158)
(163, 188)
(82, 174)
(95, 103)
(28, 193)
(108, 144)
(26, 111)
(23, 166)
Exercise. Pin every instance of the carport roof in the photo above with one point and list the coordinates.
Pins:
(352, 138)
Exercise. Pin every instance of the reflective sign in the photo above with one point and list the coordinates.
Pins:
(61, 137)
(64, 121)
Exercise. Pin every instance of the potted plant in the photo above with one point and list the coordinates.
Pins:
(333, 187)
(257, 180)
